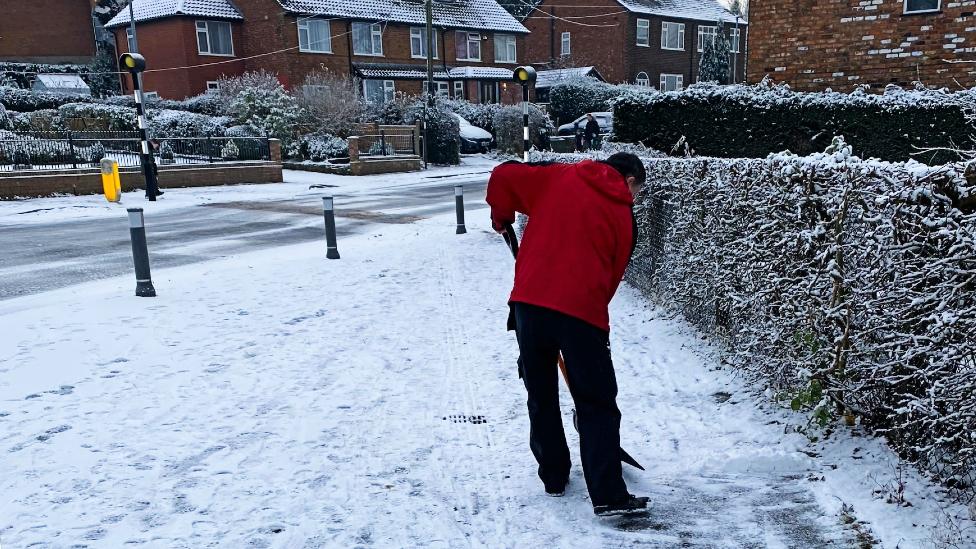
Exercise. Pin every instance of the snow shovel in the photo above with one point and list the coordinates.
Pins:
(511, 238)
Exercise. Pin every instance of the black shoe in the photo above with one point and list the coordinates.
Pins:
(633, 505)
(556, 491)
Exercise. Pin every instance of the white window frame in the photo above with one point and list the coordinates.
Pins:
(205, 29)
(711, 31)
(304, 25)
(419, 33)
(375, 37)
(458, 89)
(469, 39)
(441, 88)
(679, 80)
(150, 96)
(389, 90)
(213, 85)
(644, 25)
(665, 25)
(735, 37)
(642, 79)
(502, 43)
(566, 44)
(906, 11)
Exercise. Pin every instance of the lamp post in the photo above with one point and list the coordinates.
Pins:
(525, 76)
(135, 64)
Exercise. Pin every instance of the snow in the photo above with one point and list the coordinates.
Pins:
(481, 72)
(277, 399)
(147, 10)
(484, 15)
(547, 79)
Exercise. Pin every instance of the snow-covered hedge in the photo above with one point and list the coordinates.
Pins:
(443, 131)
(509, 128)
(575, 97)
(848, 286)
(29, 101)
(170, 123)
(754, 121)
(481, 115)
(319, 147)
(116, 118)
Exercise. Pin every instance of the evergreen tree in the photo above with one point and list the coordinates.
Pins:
(714, 63)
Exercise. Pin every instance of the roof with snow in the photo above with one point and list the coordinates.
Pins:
(488, 73)
(459, 14)
(547, 79)
(697, 10)
(148, 10)
(62, 81)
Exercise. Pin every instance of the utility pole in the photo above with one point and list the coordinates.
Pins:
(134, 43)
(430, 74)
(735, 54)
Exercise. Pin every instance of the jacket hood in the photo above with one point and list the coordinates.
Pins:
(606, 180)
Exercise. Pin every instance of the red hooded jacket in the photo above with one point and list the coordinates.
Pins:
(579, 237)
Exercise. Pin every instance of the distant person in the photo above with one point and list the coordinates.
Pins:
(576, 247)
(591, 132)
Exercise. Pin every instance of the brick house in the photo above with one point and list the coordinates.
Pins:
(47, 31)
(813, 45)
(476, 44)
(646, 42)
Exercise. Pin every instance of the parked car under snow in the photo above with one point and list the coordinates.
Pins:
(473, 138)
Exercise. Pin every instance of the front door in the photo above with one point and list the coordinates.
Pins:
(489, 92)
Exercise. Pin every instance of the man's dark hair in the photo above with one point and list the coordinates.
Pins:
(628, 165)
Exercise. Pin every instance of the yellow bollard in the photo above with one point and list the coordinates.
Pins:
(111, 185)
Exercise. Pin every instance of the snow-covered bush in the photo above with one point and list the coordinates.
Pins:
(713, 65)
(230, 151)
(241, 131)
(29, 101)
(96, 152)
(113, 117)
(848, 285)
(267, 108)
(754, 121)
(166, 153)
(443, 132)
(42, 120)
(509, 128)
(320, 147)
(5, 123)
(169, 123)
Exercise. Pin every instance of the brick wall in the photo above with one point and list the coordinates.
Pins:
(78, 182)
(610, 42)
(172, 42)
(840, 44)
(47, 31)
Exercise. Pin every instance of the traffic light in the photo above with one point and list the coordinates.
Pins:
(525, 76)
(132, 62)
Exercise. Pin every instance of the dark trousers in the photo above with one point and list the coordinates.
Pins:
(542, 334)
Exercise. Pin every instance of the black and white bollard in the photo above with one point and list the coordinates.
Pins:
(328, 210)
(459, 204)
(140, 253)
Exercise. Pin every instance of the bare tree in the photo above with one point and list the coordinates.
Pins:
(331, 100)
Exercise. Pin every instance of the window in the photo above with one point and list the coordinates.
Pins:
(734, 36)
(379, 91)
(130, 39)
(706, 35)
(922, 6)
(367, 39)
(440, 88)
(468, 46)
(213, 85)
(567, 44)
(505, 49)
(314, 36)
(672, 36)
(214, 38)
(459, 90)
(672, 82)
(644, 32)
(642, 79)
(418, 43)
(150, 96)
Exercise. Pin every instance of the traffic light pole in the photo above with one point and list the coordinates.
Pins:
(526, 76)
(136, 64)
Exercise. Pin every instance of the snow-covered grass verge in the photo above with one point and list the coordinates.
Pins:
(278, 399)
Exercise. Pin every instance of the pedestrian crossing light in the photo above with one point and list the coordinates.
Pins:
(111, 185)
(132, 62)
(525, 76)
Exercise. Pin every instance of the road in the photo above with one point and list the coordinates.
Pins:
(38, 257)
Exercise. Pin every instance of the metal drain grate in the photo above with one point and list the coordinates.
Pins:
(456, 418)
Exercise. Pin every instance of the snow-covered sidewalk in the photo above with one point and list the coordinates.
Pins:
(277, 399)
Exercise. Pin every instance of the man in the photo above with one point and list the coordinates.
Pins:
(577, 244)
(591, 132)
